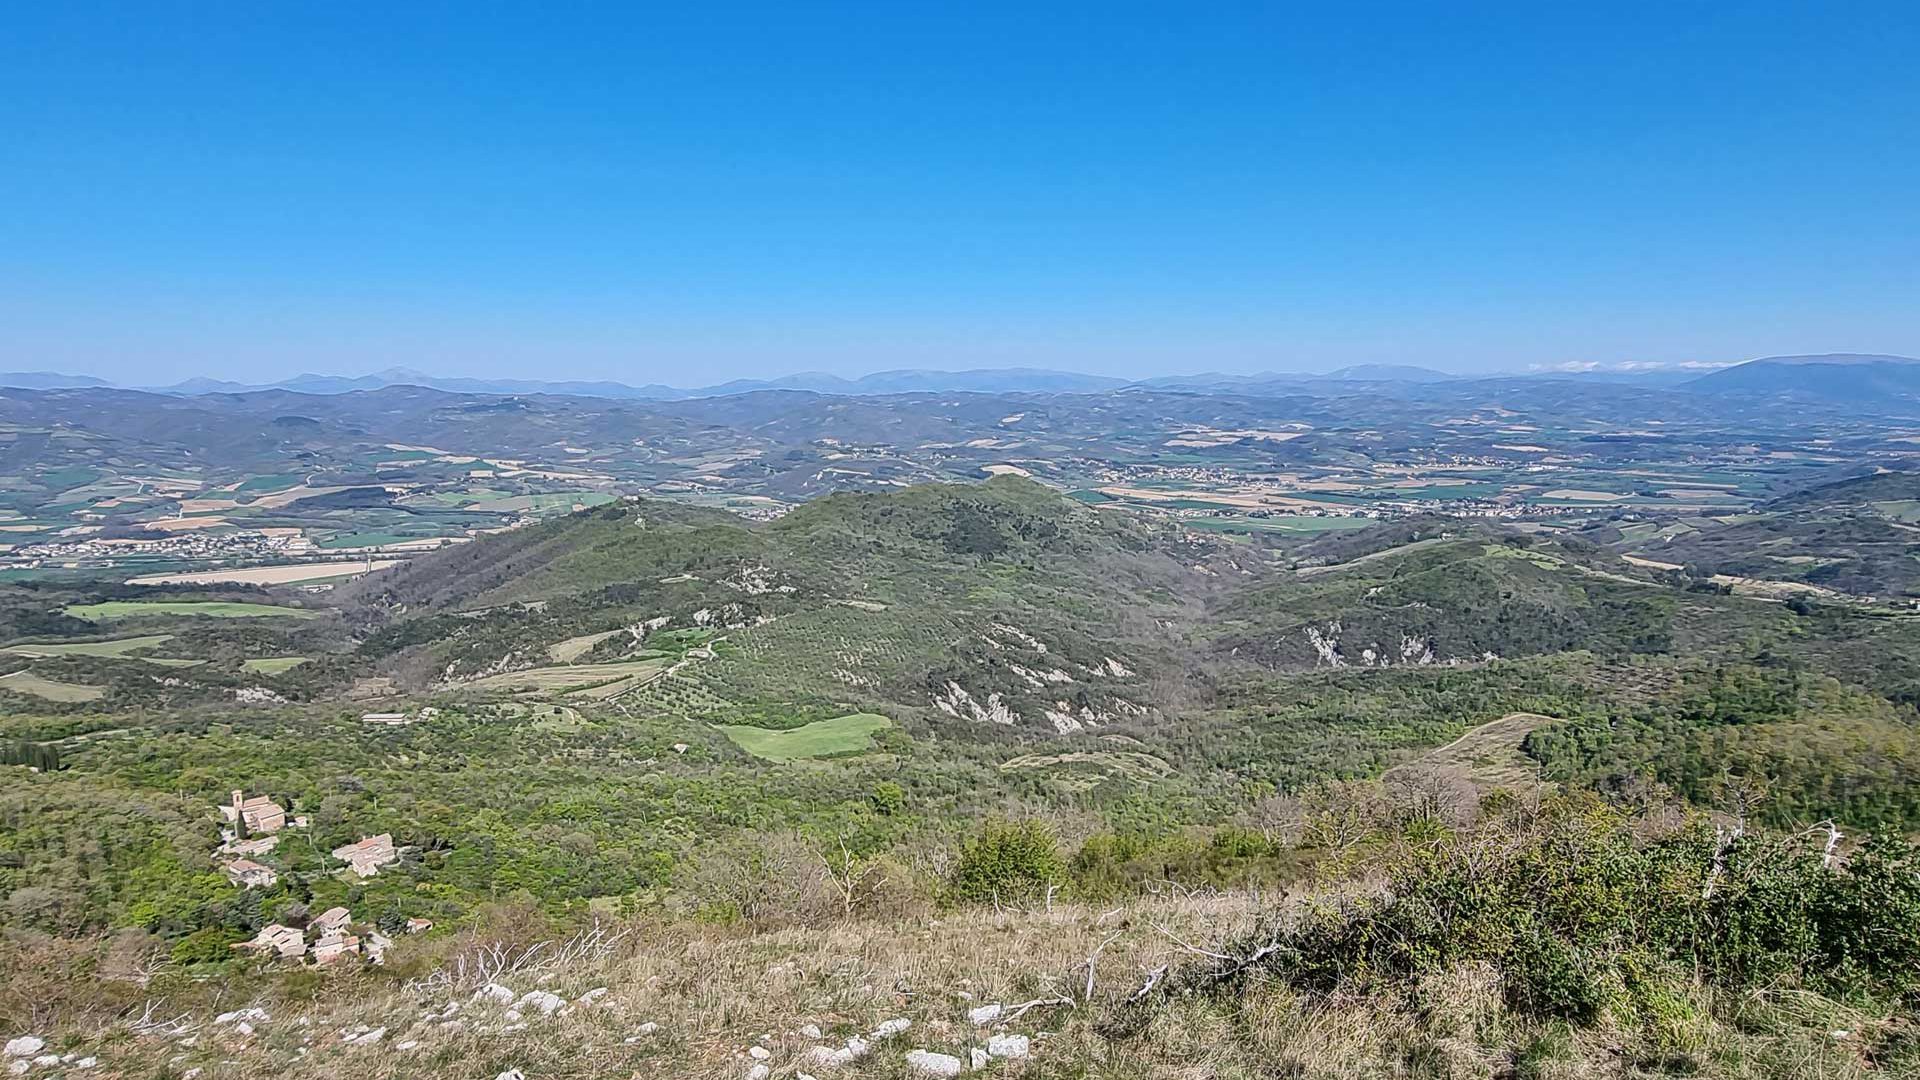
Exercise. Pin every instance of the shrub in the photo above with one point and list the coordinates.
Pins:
(1008, 862)
(1579, 911)
(209, 946)
(887, 798)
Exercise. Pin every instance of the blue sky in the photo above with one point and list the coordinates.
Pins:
(692, 192)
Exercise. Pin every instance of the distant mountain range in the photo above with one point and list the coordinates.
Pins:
(1852, 377)
(904, 381)
(1834, 377)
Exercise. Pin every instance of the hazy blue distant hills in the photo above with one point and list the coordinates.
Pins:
(1389, 373)
(910, 381)
(47, 380)
(1293, 382)
(1838, 378)
(1852, 377)
(1651, 378)
(995, 380)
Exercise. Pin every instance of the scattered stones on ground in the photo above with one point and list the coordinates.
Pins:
(1012, 1047)
(494, 992)
(928, 1063)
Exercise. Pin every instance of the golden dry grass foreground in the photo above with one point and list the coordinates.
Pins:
(650, 1000)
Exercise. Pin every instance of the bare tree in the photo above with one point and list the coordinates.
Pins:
(854, 879)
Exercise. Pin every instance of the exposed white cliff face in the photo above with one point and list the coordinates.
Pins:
(1038, 678)
(958, 703)
(1413, 650)
(1067, 721)
(1327, 645)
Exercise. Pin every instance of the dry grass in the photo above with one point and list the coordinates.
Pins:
(270, 575)
(1489, 756)
(714, 992)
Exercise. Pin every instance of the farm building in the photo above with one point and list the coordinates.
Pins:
(333, 946)
(282, 940)
(259, 814)
(331, 921)
(258, 846)
(367, 856)
(250, 875)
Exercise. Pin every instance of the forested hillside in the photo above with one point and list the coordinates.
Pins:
(647, 711)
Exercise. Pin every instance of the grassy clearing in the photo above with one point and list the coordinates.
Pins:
(1489, 755)
(26, 682)
(1086, 770)
(273, 665)
(566, 652)
(212, 609)
(111, 647)
(840, 735)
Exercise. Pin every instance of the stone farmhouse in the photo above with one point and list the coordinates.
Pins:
(250, 875)
(332, 947)
(259, 814)
(366, 857)
(283, 941)
(331, 921)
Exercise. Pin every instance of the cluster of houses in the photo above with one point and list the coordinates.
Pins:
(253, 827)
(332, 939)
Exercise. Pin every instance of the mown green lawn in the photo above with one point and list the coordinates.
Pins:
(840, 735)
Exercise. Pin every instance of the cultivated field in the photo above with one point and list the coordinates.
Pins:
(110, 647)
(26, 682)
(840, 735)
(273, 665)
(566, 652)
(214, 609)
(270, 575)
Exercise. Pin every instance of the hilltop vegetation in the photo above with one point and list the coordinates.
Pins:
(721, 728)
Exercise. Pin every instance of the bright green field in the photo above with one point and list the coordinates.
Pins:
(274, 665)
(217, 609)
(840, 735)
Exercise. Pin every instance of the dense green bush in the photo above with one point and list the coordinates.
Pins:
(1007, 862)
(1580, 913)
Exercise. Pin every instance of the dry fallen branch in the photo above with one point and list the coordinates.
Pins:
(498, 962)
